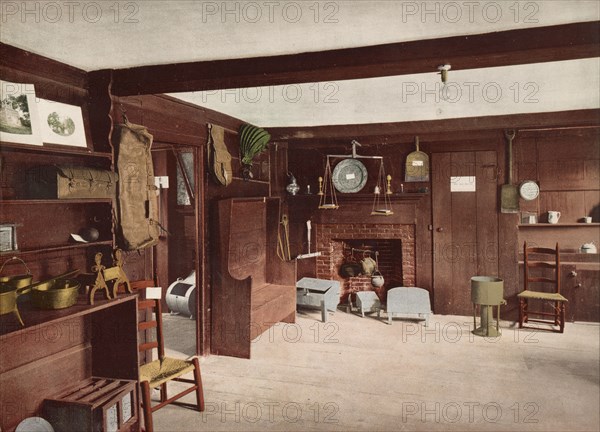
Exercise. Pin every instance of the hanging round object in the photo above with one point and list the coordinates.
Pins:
(377, 279)
(529, 190)
(349, 176)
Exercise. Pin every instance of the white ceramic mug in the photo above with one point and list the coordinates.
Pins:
(553, 217)
(587, 219)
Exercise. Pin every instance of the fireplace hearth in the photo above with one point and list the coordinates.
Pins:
(394, 244)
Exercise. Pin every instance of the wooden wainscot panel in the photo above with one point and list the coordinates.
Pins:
(569, 162)
(571, 204)
(25, 388)
(585, 298)
(26, 346)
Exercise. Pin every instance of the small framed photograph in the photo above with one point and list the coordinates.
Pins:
(19, 120)
(61, 123)
(8, 237)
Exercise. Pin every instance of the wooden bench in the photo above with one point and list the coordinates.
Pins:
(252, 288)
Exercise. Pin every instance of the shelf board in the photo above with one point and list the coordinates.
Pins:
(564, 225)
(40, 250)
(342, 197)
(71, 151)
(41, 317)
(56, 201)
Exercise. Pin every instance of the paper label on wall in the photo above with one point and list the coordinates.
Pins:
(154, 293)
(462, 184)
(350, 176)
(417, 163)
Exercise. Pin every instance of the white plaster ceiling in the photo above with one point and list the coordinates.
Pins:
(547, 87)
(114, 34)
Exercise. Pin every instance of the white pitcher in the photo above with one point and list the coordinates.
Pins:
(553, 217)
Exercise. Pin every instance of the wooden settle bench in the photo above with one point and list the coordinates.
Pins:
(253, 289)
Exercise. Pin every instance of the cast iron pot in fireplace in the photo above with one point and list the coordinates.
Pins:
(350, 270)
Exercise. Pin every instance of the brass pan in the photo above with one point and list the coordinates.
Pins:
(8, 299)
(16, 281)
(56, 294)
(11, 287)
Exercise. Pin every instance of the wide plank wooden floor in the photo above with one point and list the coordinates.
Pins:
(360, 374)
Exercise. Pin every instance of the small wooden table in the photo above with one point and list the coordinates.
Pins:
(321, 293)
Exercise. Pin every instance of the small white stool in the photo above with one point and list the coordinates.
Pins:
(367, 301)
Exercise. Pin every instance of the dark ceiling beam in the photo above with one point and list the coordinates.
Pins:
(512, 47)
(390, 132)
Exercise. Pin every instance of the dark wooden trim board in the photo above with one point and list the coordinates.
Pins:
(505, 48)
(441, 130)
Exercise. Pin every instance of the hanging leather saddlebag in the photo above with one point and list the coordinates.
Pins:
(138, 202)
(70, 182)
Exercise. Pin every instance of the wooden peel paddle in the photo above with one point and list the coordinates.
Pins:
(509, 194)
(417, 165)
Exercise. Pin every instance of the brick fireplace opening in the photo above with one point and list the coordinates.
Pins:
(395, 244)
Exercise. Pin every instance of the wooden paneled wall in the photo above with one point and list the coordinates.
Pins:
(565, 163)
(180, 126)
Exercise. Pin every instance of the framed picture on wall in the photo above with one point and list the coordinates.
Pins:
(61, 124)
(8, 237)
(19, 120)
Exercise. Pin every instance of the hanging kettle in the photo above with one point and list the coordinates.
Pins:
(368, 265)
(377, 279)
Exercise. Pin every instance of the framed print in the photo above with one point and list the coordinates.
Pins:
(19, 120)
(61, 123)
(8, 237)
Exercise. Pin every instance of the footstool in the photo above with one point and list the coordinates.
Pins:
(367, 301)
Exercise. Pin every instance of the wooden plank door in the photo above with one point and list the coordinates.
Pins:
(465, 226)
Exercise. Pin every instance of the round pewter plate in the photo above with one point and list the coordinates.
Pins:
(529, 190)
(349, 176)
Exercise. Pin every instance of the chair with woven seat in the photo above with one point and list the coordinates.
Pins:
(157, 373)
(554, 298)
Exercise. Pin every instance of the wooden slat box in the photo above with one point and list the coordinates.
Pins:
(95, 405)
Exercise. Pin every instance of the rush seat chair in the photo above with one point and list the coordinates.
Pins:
(157, 373)
(550, 263)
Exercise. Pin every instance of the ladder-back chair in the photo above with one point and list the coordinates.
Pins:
(157, 373)
(553, 297)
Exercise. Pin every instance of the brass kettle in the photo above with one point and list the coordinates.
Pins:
(369, 265)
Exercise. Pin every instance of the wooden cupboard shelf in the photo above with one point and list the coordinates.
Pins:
(57, 348)
(33, 317)
(564, 225)
(59, 150)
(56, 248)
(55, 201)
(362, 197)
